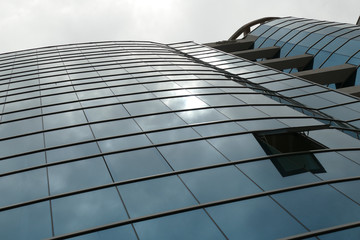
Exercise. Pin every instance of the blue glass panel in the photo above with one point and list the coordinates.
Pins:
(219, 183)
(64, 119)
(242, 112)
(182, 103)
(191, 154)
(257, 218)
(135, 164)
(146, 107)
(87, 210)
(94, 94)
(71, 152)
(265, 175)
(173, 135)
(114, 128)
(200, 116)
(16, 163)
(219, 129)
(30, 222)
(23, 187)
(20, 127)
(159, 121)
(68, 135)
(238, 147)
(188, 225)
(319, 210)
(334, 139)
(123, 232)
(262, 124)
(156, 195)
(21, 145)
(350, 189)
(78, 175)
(123, 143)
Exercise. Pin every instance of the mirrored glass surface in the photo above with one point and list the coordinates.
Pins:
(20, 127)
(181, 103)
(265, 174)
(68, 135)
(76, 151)
(21, 145)
(238, 147)
(135, 164)
(114, 128)
(159, 121)
(191, 154)
(105, 113)
(118, 144)
(146, 107)
(123, 232)
(78, 175)
(188, 225)
(173, 135)
(22, 187)
(201, 116)
(64, 119)
(218, 129)
(87, 210)
(219, 183)
(256, 218)
(28, 222)
(16, 163)
(156, 195)
(318, 211)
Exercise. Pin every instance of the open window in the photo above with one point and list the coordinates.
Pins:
(288, 143)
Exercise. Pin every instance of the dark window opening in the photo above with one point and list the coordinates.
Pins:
(288, 143)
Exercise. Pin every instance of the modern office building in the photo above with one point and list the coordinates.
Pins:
(142, 140)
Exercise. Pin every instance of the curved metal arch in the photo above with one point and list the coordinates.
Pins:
(246, 28)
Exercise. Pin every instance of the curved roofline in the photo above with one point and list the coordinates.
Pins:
(246, 28)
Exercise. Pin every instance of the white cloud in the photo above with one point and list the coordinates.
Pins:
(35, 23)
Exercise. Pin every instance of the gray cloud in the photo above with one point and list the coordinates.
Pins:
(35, 23)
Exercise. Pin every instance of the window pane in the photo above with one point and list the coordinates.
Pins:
(159, 121)
(29, 222)
(187, 225)
(67, 136)
(22, 187)
(123, 143)
(146, 107)
(157, 195)
(257, 218)
(191, 155)
(238, 147)
(114, 128)
(135, 164)
(87, 210)
(21, 145)
(106, 112)
(173, 135)
(219, 183)
(71, 152)
(123, 232)
(64, 119)
(325, 208)
(78, 175)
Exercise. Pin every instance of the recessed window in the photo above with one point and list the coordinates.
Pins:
(288, 143)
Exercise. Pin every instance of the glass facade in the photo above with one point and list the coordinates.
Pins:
(141, 140)
(330, 43)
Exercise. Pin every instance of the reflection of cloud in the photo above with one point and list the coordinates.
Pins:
(43, 22)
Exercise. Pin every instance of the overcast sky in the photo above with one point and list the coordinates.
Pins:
(38, 23)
